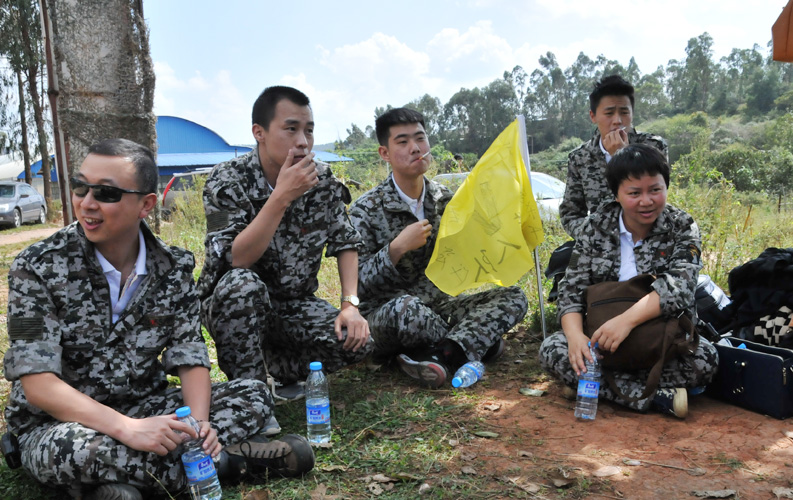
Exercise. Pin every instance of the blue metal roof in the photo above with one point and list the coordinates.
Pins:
(183, 145)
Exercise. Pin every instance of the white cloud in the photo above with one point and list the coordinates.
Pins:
(213, 102)
(469, 55)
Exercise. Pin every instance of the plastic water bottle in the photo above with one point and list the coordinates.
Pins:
(202, 478)
(317, 405)
(468, 374)
(586, 404)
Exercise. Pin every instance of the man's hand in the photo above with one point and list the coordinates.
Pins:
(615, 140)
(356, 325)
(211, 444)
(294, 180)
(155, 434)
(412, 237)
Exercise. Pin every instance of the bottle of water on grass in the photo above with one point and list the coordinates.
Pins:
(317, 405)
(202, 478)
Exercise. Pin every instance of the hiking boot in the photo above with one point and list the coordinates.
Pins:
(496, 351)
(271, 427)
(291, 392)
(671, 401)
(430, 372)
(115, 491)
(289, 456)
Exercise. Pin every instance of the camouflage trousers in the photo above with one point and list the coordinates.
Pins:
(475, 322)
(69, 455)
(695, 370)
(254, 332)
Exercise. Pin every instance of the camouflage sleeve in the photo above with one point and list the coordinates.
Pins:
(186, 346)
(33, 328)
(677, 284)
(341, 233)
(577, 278)
(573, 208)
(227, 210)
(376, 272)
(655, 141)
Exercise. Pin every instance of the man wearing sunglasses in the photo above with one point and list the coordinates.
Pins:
(270, 214)
(98, 314)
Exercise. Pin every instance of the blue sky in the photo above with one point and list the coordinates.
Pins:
(212, 59)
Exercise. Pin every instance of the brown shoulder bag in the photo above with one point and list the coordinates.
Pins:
(650, 345)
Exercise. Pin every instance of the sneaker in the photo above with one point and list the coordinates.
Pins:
(289, 456)
(496, 351)
(431, 373)
(671, 401)
(291, 392)
(271, 427)
(115, 491)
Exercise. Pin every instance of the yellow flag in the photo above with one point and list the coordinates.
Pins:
(492, 223)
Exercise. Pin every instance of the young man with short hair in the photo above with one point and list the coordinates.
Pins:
(98, 313)
(270, 213)
(430, 332)
(611, 106)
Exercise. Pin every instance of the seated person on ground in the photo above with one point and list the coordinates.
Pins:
(90, 310)
(638, 233)
(270, 213)
(430, 332)
(611, 109)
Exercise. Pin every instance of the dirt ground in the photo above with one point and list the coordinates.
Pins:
(718, 449)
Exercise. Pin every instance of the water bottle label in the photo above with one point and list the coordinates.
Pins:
(318, 414)
(199, 470)
(588, 388)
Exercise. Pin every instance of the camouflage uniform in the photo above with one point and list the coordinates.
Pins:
(586, 179)
(59, 321)
(405, 310)
(267, 317)
(671, 252)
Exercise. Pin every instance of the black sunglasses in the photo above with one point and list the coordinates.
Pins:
(102, 192)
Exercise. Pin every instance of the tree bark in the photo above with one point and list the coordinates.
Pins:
(23, 123)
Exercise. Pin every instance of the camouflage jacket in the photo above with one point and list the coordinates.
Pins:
(235, 193)
(380, 215)
(59, 321)
(586, 179)
(671, 252)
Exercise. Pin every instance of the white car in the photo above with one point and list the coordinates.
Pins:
(548, 190)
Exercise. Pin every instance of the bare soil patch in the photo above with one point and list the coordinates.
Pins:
(718, 447)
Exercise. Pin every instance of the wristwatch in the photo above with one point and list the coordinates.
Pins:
(352, 299)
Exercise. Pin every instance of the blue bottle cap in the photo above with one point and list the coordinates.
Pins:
(183, 411)
(315, 366)
(457, 382)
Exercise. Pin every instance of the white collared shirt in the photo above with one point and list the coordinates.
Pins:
(120, 297)
(608, 156)
(627, 257)
(416, 206)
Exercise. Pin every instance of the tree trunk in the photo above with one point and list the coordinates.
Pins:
(38, 114)
(105, 74)
(23, 123)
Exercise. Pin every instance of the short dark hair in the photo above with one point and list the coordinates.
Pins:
(635, 160)
(264, 107)
(612, 85)
(139, 155)
(395, 116)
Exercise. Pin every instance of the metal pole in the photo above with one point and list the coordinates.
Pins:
(61, 164)
(540, 292)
